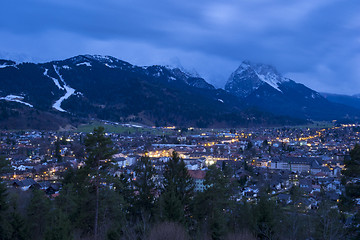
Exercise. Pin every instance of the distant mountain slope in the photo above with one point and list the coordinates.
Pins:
(352, 101)
(14, 115)
(263, 86)
(103, 87)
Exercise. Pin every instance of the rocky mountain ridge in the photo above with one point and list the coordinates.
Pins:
(263, 86)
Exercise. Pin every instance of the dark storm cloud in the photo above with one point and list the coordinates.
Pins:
(314, 42)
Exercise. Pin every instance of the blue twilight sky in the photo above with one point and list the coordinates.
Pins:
(315, 42)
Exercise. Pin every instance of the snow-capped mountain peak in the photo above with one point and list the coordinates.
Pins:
(250, 76)
(102, 59)
(243, 66)
(88, 60)
(172, 74)
(188, 72)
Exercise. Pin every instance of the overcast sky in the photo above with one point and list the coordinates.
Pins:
(315, 42)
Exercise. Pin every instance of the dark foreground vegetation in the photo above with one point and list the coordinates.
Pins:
(94, 204)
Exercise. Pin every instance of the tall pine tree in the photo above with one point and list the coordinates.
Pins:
(212, 206)
(144, 185)
(38, 214)
(99, 153)
(177, 191)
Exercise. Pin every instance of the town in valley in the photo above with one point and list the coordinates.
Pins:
(271, 158)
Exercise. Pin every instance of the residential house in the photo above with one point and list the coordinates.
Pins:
(199, 178)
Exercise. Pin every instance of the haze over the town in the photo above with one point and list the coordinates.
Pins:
(316, 43)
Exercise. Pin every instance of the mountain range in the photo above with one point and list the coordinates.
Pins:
(263, 86)
(348, 100)
(54, 94)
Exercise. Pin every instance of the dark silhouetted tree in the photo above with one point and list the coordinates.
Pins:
(350, 180)
(177, 191)
(99, 152)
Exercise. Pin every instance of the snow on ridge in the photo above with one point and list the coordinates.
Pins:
(188, 72)
(101, 58)
(15, 98)
(266, 73)
(245, 65)
(272, 81)
(69, 91)
(54, 79)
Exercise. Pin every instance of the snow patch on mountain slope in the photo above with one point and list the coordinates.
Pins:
(110, 66)
(157, 74)
(54, 79)
(273, 82)
(15, 98)
(87, 64)
(131, 125)
(69, 91)
(6, 65)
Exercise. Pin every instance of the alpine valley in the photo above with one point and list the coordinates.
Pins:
(55, 94)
